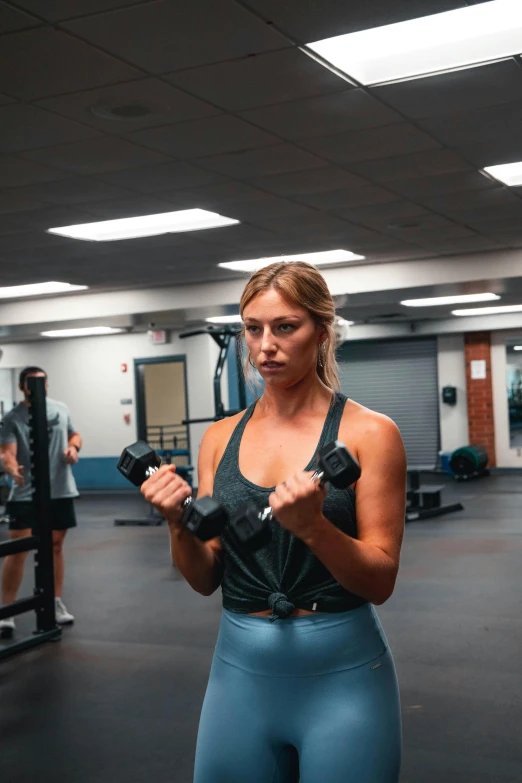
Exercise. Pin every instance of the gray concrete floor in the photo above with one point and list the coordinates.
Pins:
(117, 699)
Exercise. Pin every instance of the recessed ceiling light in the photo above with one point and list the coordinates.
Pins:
(38, 289)
(145, 226)
(508, 173)
(224, 319)
(489, 310)
(517, 347)
(86, 331)
(418, 47)
(324, 257)
(448, 300)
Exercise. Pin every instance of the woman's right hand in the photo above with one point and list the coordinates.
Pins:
(167, 491)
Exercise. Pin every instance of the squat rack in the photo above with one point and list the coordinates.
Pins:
(41, 540)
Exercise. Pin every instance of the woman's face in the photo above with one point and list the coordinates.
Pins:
(282, 338)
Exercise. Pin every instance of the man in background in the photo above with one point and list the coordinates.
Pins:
(64, 446)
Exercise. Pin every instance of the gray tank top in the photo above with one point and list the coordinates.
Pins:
(285, 574)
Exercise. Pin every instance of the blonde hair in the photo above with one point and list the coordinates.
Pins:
(302, 284)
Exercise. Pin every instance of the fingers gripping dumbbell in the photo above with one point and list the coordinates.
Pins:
(204, 517)
(251, 524)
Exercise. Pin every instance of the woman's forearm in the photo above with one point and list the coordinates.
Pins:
(198, 563)
(359, 567)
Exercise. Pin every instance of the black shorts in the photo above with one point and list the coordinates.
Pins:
(21, 514)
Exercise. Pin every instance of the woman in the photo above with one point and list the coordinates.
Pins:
(302, 672)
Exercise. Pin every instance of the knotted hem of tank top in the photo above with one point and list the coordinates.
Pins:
(281, 607)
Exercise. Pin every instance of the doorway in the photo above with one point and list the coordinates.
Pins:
(162, 405)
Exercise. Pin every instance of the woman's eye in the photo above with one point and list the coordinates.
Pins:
(286, 327)
(251, 329)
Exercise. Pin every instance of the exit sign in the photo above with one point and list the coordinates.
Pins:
(158, 336)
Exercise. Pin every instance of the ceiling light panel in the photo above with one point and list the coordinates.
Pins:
(87, 331)
(317, 259)
(38, 289)
(419, 47)
(489, 310)
(224, 319)
(145, 226)
(508, 173)
(434, 301)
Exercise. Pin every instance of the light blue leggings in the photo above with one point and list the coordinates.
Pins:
(321, 688)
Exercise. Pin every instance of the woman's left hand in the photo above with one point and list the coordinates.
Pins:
(297, 504)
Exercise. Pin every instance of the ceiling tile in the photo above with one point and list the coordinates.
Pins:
(26, 127)
(163, 177)
(418, 164)
(199, 138)
(311, 21)
(398, 139)
(472, 244)
(13, 202)
(380, 216)
(220, 198)
(5, 99)
(262, 80)
(338, 200)
(96, 156)
(50, 217)
(166, 105)
(39, 63)
(470, 88)
(425, 227)
(262, 162)
(481, 204)
(485, 136)
(73, 190)
(58, 10)
(15, 171)
(313, 181)
(323, 115)
(494, 225)
(179, 35)
(313, 225)
(425, 187)
(12, 20)
(130, 207)
(240, 236)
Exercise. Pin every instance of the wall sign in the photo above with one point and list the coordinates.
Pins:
(478, 369)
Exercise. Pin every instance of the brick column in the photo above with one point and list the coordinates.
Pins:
(479, 394)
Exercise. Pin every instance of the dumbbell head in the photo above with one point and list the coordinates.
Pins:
(205, 518)
(251, 526)
(138, 462)
(337, 465)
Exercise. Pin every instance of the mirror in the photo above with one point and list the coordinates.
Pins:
(514, 392)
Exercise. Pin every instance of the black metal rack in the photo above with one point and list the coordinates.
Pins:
(41, 541)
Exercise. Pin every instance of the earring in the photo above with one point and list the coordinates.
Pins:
(251, 363)
(322, 348)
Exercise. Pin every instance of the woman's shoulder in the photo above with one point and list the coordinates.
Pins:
(217, 436)
(361, 426)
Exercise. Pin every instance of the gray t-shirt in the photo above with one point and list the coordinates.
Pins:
(15, 429)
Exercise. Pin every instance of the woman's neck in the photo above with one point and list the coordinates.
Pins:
(308, 395)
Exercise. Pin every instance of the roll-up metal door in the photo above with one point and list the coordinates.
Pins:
(397, 378)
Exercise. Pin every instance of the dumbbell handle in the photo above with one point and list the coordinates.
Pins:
(152, 470)
(267, 513)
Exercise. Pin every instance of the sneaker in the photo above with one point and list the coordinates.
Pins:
(7, 628)
(63, 617)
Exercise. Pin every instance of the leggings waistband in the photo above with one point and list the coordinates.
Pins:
(302, 646)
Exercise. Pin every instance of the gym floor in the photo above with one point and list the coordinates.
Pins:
(117, 700)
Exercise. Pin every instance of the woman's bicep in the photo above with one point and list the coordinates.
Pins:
(381, 489)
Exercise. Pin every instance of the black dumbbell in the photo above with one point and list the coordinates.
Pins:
(204, 517)
(251, 525)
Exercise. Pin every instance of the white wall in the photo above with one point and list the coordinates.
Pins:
(452, 372)
(85, 374)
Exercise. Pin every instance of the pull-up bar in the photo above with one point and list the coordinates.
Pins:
(222, 336)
